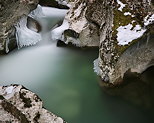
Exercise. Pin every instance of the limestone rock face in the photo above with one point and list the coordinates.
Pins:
(81, 32)
(123, 29)
(10, 12)
(123, 24)
(116, 26)
(20, 105)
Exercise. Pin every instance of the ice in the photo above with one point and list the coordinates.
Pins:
(25, 36)
(64, 2)
(37, 13)
(56, 34)
(96, 68)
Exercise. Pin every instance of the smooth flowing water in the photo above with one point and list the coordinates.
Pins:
(65, 81)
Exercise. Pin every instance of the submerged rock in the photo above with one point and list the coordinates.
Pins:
(20, 105)
(11, 12)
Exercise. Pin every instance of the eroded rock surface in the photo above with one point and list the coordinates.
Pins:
(62, 4)
(81, 32)
(10, 12)
(123, 30)
(20, 105)
(114, 26)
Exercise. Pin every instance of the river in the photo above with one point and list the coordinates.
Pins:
(64, 79)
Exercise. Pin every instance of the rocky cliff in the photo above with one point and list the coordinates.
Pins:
(114, 26)
(123, 30)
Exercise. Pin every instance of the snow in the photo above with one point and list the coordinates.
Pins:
(149, 19)
(121, 5)
(127, 33)
(127, 13)
(9, 90)
(25, 36)
(56, 34)
(96, 68)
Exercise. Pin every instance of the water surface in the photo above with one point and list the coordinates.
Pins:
(65, 81)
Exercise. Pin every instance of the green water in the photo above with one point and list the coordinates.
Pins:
(65, 81)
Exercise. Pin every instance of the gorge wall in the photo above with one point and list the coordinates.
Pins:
(122, 29)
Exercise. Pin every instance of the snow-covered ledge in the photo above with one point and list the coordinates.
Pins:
(20, 105)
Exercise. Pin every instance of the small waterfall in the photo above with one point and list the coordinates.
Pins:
(47, 18)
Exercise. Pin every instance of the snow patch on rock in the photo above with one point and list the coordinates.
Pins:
(9, 91)
(121, 5)
(127, 13)
(128, 33)
(149, 19)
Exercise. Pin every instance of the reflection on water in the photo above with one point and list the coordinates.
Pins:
(65, 81)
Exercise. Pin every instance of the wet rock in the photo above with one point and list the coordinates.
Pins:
(88, 32)
(114, 26)
(11, 12)
(123, 30)
(20, 105)
(61, 4)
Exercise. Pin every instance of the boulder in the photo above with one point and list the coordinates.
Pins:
(117, 27)
(20, 105)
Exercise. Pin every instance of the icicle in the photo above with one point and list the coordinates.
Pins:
(56, 34)
(25, 36)
(96, 68)
(6, 45)
(37, 13)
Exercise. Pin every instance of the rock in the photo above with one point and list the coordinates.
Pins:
(11, 12)
(123, 30)
(113, 51)
(116, 27)
(88, 32)
(61, 4)
(20, 105)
